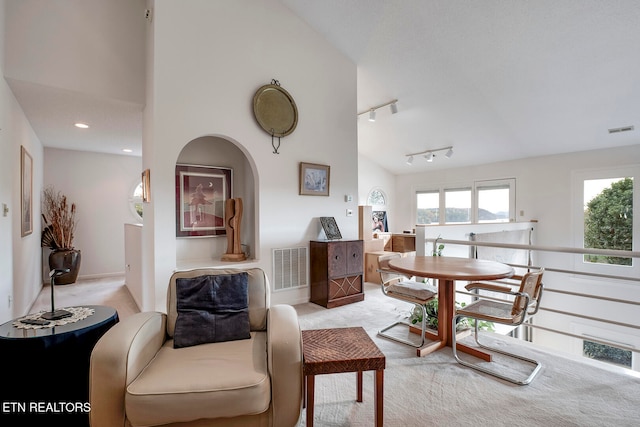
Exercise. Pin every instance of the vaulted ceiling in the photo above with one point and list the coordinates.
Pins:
(495, 79)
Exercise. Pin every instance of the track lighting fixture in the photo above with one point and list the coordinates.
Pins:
(430, 154)
(449, 153)
(393, 106)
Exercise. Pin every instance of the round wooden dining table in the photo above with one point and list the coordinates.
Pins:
(447, 270)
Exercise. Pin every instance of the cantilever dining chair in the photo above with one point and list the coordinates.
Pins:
(526, 302)
(401, 287)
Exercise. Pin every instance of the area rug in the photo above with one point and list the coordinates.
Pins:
(437, 391)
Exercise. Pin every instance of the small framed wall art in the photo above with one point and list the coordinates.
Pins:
(146, 186)
(314, 179)
(26, 192)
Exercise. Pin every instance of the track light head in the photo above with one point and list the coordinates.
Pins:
(449, 153)
(429, 157)
(394, 108)
(410, 160)
(372, 115)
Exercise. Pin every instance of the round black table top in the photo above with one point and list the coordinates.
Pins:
(50, 366)
(102, 314)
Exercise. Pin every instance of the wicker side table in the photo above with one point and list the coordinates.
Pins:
(333, 351)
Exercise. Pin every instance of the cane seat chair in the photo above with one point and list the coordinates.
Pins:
(521, 304)
(401, 287)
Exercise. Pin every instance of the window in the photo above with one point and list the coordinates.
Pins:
(457, 205)
(496, 201)
(603, 218)
(484, 201)
(135, 201)
(428, 211)
(606, 353)
(608, 218)
(376, 198)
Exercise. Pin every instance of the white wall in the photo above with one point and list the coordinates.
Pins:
(100, 185)
(20, 260)
(103, 46)
(209, 58)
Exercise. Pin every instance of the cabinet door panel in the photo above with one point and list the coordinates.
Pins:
(354, 257)
(337, 262)
(344, 286)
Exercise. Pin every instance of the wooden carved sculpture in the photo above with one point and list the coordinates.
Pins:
(233, 214)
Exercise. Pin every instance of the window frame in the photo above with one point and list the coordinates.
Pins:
(443, 204)
(509, 183)
(474, 187)
(440, 203)
(577, 189)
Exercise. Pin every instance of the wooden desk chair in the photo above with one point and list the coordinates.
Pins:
(526, 302)
(399, 286)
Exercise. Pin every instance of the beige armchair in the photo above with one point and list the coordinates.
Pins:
(138, 378)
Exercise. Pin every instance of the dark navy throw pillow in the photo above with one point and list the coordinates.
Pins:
(211, 308)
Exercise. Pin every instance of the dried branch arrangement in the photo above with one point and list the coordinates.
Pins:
(60, 220)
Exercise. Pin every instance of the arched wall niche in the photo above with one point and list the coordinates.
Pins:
(221, 151)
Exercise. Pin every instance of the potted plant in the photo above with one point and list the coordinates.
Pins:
(432, 318)
(60, 223)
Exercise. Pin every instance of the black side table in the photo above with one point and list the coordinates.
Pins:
(47, 369)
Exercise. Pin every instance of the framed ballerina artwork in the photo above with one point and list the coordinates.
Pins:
(201, 194)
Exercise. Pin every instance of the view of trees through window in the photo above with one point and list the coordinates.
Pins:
(376, 198)
(606, 353)
(608, 218)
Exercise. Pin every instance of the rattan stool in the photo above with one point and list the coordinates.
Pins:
(333, 351)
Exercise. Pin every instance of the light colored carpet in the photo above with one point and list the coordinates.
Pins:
(437, 391)
(107, 291)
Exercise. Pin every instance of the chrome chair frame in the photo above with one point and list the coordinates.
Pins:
(516, 313)
(393, 280)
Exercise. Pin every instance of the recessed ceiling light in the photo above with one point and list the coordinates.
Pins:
(127, 150)
(82, 125)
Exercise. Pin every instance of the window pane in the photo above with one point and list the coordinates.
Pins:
(428, 204)
(608, 218)
(493, 204)
(376, 198)
(606, 353)
(137, 193)
(135, 201)
(457, 206)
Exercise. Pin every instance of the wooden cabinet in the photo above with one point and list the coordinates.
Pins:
(336, 272)
(403, 243)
